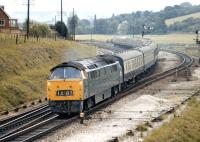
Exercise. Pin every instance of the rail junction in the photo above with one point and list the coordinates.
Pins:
(36, 123)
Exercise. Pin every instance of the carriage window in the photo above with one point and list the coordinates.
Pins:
(99, 73)
(114, 68)
(94, 74)
(126, 66)
(65, 73)
(102, 71)
(105, 72)
(132, 64)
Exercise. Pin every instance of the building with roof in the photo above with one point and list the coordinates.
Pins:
(7, 24)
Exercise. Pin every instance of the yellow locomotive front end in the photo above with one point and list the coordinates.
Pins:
(65, 91)
(62, 90)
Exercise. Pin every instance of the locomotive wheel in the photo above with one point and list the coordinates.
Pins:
(115, 91)
(89, 103)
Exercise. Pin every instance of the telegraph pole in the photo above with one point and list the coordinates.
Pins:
(61, 17)
(55, 20)
(95, 23)
(133, 31)
(73, 22)
(28, 3)
(61, 12)
(28, 20)
(143, 29)
(198, 43)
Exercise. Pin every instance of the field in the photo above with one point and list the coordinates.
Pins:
(169, 22)
(94, 37)
(173, 38)
(161, 39)
(24, 68)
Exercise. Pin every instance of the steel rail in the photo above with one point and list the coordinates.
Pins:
(7, 120)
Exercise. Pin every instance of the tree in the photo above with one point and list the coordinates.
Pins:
(135, 20)
(38, 29)
(61, 28)
(83, 27)
(101, 26)
(122, 27)
(186, 4)
(72, 23)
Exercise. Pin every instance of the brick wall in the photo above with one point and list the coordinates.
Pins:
(4, 16)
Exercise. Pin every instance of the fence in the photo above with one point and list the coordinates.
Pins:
(7, 39)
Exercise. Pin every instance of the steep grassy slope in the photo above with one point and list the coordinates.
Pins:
(171, 21)
(24, 68)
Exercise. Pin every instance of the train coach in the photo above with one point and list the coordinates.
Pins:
(76, 86)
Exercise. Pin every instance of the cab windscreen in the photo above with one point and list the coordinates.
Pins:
(65, 73)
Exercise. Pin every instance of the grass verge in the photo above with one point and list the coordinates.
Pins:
(185, 128)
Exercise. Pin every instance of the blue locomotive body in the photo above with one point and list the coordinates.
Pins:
(101, 77)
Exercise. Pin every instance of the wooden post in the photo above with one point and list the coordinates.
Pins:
(17, 39)
(55, 37)
(37, 38)
(187, 73)
(24, 38)
(176, 75)
(5, 39)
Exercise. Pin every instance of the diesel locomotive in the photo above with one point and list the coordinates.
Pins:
(76, 86)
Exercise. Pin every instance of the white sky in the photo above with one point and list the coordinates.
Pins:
(46, 10)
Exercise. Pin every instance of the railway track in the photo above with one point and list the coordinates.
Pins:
(32, 125)
(3, 121)
(21, 121)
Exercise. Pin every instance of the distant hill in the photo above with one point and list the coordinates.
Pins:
(171, 21)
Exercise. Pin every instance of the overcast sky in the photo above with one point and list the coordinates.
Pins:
(46, 10)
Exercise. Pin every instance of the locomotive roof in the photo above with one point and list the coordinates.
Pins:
(129, 54)
(69, 64)
(89, 63)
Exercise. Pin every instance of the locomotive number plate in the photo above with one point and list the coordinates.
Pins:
(64, 93)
